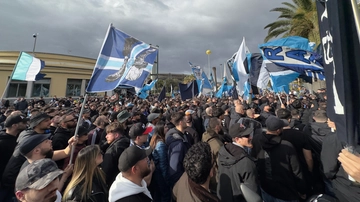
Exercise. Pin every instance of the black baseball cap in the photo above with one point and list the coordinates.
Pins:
(131, 156)
(14, 119)
(237, 130)
(37, 175)
(139, 129)
(30, 142)
(273, 123)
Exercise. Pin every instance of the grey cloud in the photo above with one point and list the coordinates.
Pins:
(184, 30)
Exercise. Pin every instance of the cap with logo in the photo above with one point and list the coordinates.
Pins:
(123, 116)
(131, 156)
(31, 141)
(273, 123)
(37, 175)
(14, 119)
(237, 130)
(139, 129)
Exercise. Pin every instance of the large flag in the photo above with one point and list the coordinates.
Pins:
(188, 91)
(162, 94)
(223, 88)
(295, 54)
(27, 68)
(280, 77)
(122, 60)
(240, 70)
(341, 49)
(143, 93)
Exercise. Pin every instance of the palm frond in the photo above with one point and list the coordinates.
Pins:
(276, 33)
(289, 5)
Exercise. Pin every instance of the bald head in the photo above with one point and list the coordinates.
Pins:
(209, 111)
(250, 113)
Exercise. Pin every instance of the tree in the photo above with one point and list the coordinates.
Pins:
(189, 78)
(299, 18)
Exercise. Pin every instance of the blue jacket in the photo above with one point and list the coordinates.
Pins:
(161, 173)
(178, 145)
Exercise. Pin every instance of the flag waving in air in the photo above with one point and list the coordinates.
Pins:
(122, 60)
(27, 68)
(239, 70)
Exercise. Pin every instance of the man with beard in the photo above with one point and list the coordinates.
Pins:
(36, 147)
(129, 185)
(14, 124)
(41, 185)
(39, 124)
(63, 134)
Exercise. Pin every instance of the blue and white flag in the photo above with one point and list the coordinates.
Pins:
(143, 92)
(122, 60)
(27, 68)
(223, 88)
(280, 77)
(240, 70)
(294, 53)
(201, 78)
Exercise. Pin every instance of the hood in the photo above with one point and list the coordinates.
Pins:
(234, 114)
(269, 141)
(174, 135)
(230, 154)
(4, 136)
(123, 187)
(209, 134)
(320, 129)
(64, 130)
(25, 133)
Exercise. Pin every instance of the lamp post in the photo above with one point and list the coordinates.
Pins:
(208, 52)
(35, 37)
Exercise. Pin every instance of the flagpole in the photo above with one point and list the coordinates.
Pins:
(77, 127)
(9, 81)
(356, 16)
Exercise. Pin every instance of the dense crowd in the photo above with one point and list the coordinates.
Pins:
(275, 147)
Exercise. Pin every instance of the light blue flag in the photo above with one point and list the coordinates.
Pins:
(293, 53)
(223, 88)
(122, 60)
(27, 68)
(143, 93)
(202, 80)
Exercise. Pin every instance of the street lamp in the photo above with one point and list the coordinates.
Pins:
(208, 52)
(35, 37)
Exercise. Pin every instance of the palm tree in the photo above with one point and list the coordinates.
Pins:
(296, 19)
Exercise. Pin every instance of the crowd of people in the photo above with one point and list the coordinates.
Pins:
(276, 147)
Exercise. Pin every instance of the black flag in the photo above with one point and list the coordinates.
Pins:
(341, 51)
(162, 94)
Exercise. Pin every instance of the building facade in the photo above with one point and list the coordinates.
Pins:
(66, 76)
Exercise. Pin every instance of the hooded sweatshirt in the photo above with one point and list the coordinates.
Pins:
(235, 167)
(278, 167)
(7, 146)
(123, 187)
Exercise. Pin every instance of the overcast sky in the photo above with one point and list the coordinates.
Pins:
(184, 29)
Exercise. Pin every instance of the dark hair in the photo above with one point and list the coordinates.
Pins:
(283, 114)
(213, 122)
(177, 117)
(296, 104)
(217, 112)
(198, 162)
(295, 112)
(159, 134)
(115, 127)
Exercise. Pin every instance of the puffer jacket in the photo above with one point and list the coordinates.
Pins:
(160, 177)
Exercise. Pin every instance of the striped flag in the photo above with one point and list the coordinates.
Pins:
(240, 72)
(27, 68)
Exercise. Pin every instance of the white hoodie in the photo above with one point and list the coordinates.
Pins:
(123, 187)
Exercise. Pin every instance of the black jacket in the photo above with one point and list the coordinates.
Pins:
(135, 198)
(98, 193)
(317, 131)
(7, 147)
(235, 167)
(21, 106)
(12, 169)
(111, 158)
(60, 141)
(278, 167)
(347, 191)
